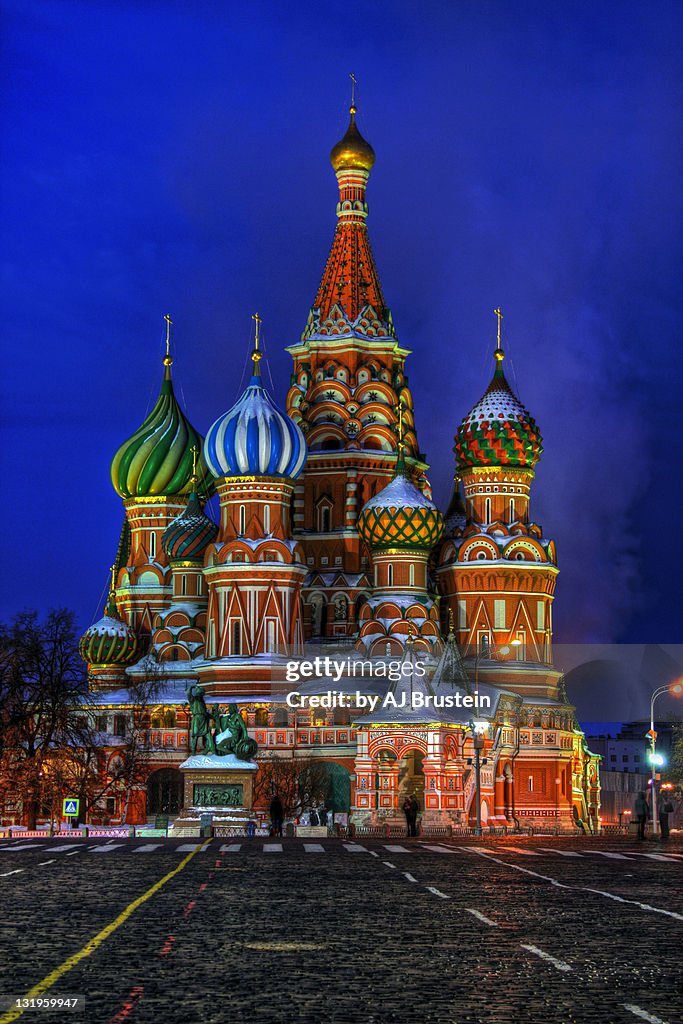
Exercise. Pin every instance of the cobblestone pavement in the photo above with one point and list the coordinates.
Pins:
(525, 930)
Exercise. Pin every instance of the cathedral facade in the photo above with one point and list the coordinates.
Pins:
(328, 539)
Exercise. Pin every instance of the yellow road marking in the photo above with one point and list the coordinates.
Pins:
(97, 940)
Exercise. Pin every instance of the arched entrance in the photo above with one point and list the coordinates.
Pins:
(411, 779)
(165, 791)
(338, 799)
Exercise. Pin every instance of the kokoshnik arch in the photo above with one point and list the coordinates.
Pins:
(328, 533)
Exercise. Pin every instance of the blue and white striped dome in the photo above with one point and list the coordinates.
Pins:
(255, 439)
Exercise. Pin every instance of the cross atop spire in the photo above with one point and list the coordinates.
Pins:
(168, 358)
(112, 585)
(401, 428)
(195, 455)
(256, 355)
(354, 82)
(499, 355)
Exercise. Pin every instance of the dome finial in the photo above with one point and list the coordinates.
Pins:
(195, 455)
(256, 355)
(499, 355)
(401, 460)
(352, 108)
(168, 358)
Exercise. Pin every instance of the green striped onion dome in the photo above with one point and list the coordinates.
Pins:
(190, 533)
(498, 431)
(109, 641)
(400, 516)
(157, 459)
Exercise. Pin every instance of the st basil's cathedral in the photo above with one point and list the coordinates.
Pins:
(328, 539)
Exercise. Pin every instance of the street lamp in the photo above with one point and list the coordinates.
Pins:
(676, 690)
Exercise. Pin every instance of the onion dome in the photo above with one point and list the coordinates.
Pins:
(109, 641)
(352, 151)
(190, 533)
(498, 431)
(254, 438)
(157, 459)
(400, 516)
(456, 513)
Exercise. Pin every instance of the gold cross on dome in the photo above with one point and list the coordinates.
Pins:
(112, 570)
(400, 423)
(500, 317)
(195, 454)
(167, 357)
(256, 354)
(353, 91)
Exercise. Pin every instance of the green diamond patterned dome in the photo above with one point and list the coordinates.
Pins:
(498, 431)
(400, 516)
(157, 459)
(109, 641)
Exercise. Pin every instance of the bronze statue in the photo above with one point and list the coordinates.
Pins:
(200, 726)
(231, 734)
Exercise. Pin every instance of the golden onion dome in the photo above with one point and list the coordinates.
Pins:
(352, 152)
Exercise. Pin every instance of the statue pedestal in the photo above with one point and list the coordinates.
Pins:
(221, 786)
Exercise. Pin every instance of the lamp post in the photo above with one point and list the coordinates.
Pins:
(676, 690)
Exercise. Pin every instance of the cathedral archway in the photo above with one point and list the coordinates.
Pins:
(165, 791)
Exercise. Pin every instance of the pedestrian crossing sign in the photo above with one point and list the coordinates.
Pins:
(70, 807)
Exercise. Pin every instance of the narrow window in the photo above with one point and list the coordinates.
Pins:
(152, 544)
(390, 575)
(236, 638)
(183, 585)
(512, 510)
(266, 518)
(411, 581)
(487, 518)
(531, 783)
(243, 520)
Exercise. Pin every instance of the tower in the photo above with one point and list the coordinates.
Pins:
(496, 570)
(346, 387)
(153, 472)
(254, 569)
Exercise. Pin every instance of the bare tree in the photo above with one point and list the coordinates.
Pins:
(299, 782)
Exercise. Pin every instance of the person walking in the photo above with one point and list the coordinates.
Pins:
(276, 816)
(415, 807)
(665, 809)
(642, 811)
(409, 813)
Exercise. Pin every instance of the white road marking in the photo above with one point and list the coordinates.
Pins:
(373, 853)
(584, 888)
(439, 849)
(643, 1014)
(17, 871)
(612, 856)
(562, 853)
(389, 864)
(518, 849)
(476, 849)
(437, 892)
(28, 846)
(354, 848)
(44, 862)
(272, 847)
(560, 964)
(230, 847)
(107, 848)
(187, 847)
(656, 856)
(147, 848)
(396, 849)
(481, 917)
(71, 853)
(406, 874)
(314, 848)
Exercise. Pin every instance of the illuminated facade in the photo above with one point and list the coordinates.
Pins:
(327, 534)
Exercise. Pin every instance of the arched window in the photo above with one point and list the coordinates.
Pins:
(261, 718)
(390, 575)
(487, 514)
(512, 510)
(266, 518)
(325, 519)
(243, 520)
(412, 576)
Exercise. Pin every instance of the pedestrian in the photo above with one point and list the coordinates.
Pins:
(322, 814)
(665, 809)
(313, 817)
(408, 811)
(276, 816)
(641, 810)
(416, 810)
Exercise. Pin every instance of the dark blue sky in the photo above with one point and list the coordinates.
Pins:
(167, 157)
